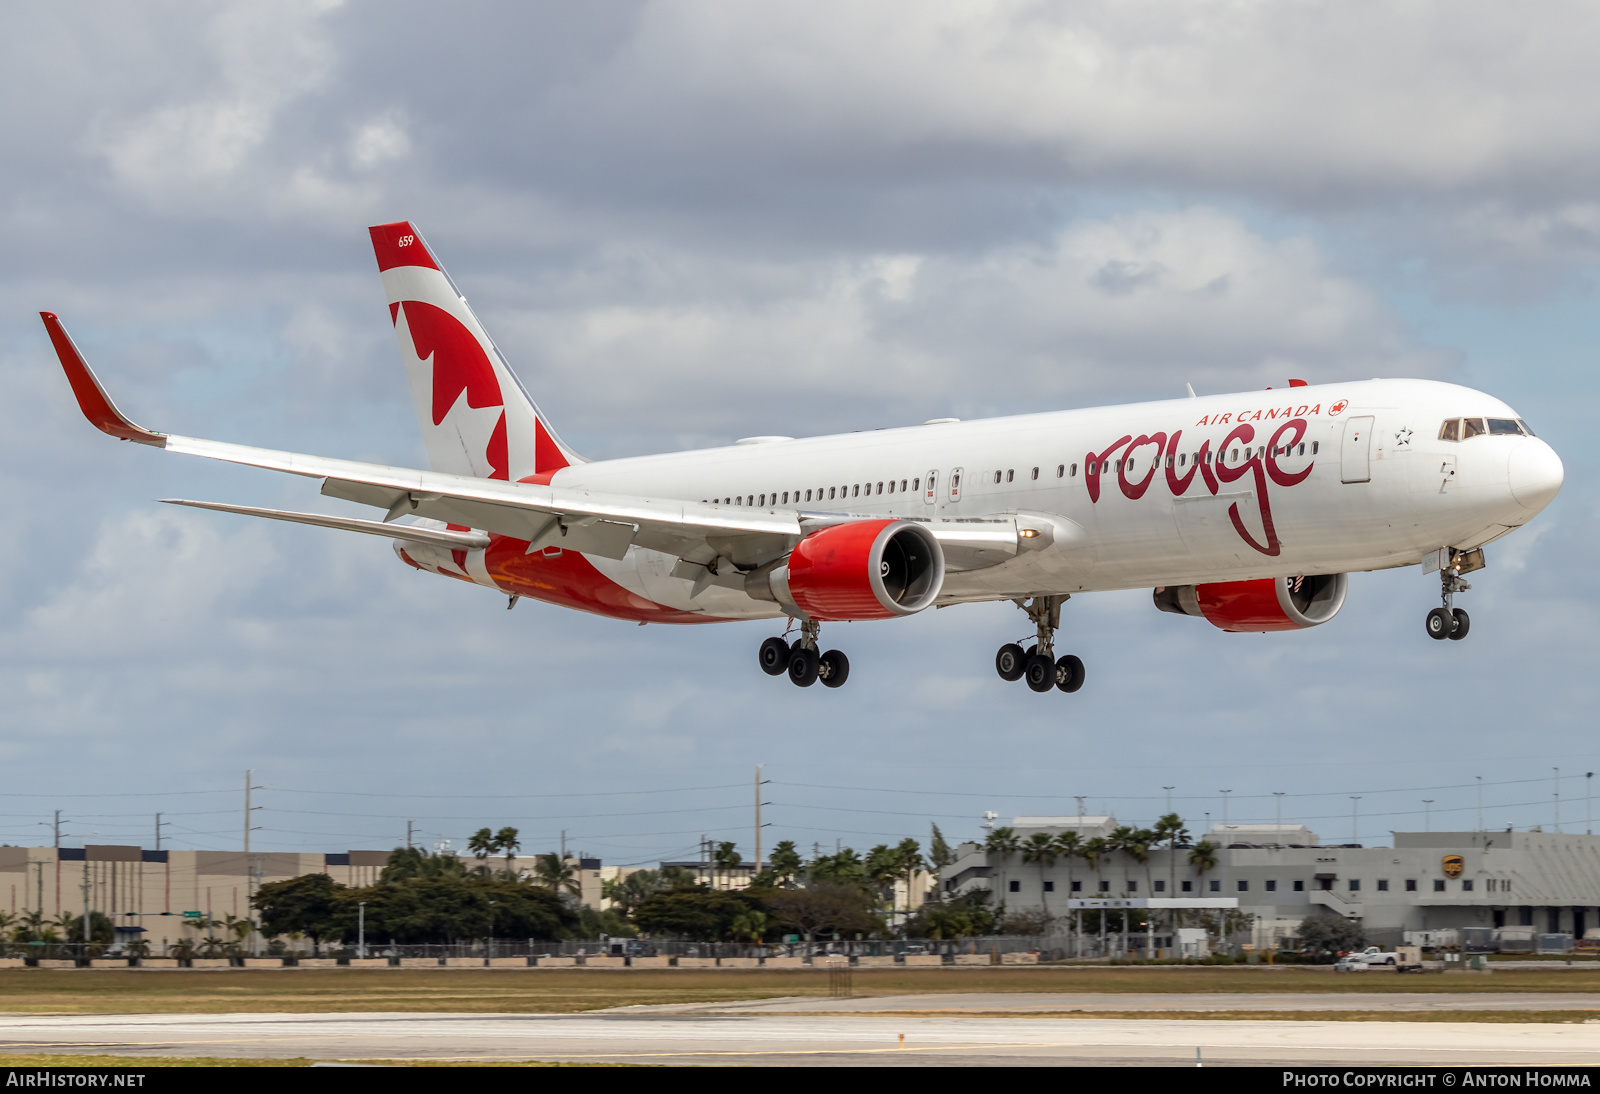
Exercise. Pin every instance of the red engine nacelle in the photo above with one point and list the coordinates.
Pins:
(868, 569)
(1268, 604)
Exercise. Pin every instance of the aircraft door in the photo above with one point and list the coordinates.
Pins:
(1355, 453)
(954, 491)
(930, 494)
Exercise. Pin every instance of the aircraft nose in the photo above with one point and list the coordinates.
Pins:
(1536, 474)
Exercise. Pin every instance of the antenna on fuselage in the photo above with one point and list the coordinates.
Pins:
(1192, 395)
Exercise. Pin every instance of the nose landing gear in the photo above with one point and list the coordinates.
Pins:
(801, 661)
(1447, 620)
(1038, 665)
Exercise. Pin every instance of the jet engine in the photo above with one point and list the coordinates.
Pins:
(1267, 604)
(867, 569)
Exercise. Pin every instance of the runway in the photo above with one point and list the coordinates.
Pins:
(1024, 1003)
(796, 1040)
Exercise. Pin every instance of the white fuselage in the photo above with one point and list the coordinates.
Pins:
(1366, 483)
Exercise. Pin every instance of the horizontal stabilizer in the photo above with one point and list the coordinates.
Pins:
(456, 541)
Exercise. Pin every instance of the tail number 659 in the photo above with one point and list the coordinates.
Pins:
(406, 241)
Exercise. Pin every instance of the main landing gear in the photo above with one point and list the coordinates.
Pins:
(801, 661)
(1448, 621)
(1038, 664)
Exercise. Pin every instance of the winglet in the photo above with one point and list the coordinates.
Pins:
(92, 398)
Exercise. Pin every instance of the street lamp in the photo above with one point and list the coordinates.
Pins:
(361, 928)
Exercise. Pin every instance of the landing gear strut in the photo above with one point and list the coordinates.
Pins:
(1038, 665)
(801, 661)
(1448, 621)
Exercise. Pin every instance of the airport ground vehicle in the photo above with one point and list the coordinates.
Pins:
(1248, 510)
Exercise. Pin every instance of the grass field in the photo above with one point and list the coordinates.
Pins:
(561, 991)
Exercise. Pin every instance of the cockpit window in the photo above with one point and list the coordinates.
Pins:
(1503, 427)
(1451, 430)
(1525, 428)
(1472, 427)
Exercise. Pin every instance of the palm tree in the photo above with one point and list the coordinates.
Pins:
(908, 856)
(482, 845)
(786, 863)
(1203, 857)
(1040, 849)
(556, 874)
(506, 841)
(1001, 842)
(724, 858)
(1171, 829)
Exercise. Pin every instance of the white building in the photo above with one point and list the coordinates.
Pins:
(1282, 873)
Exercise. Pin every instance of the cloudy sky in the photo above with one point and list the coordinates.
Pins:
(691, 222)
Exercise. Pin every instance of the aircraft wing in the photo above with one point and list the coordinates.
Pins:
(579, 520)
(593, 523)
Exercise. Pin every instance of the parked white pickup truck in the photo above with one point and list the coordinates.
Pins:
(1366, 959)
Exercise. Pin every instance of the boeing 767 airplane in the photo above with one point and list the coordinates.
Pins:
(1247, 510)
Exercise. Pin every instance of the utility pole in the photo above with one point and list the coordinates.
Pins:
(1427, 814)
(759, 803)
(1225, 794)
(1588, 785)
(158, 831)
(1080, 798)
(1355, 827)
(1480, 801)
(1557, 794)
(408, 835)
(1279, 795)
(361, 928)
(58, 830)
(1169, 790)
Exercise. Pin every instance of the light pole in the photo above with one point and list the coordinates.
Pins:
(1279, 795)
(1355, 826)
(1557, 796)
(1225, 794)
(361, 928)
(1588, 784)
(1427, 814)
(1480, 801)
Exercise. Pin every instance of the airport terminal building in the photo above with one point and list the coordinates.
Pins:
(1280, 874)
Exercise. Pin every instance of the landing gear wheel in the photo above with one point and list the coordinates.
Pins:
(1069, 673)
(803, 666)
(774, 657)
(1010, 661)
(1462, 623)
(833, 669)
(1440, 623)
(1040, 673)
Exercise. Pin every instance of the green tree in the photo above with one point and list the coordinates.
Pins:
(842, 868)
(101, 929)
(626, 893)
(679, 877)
(824, 908)
(506, 842)
(701, 914)
(307, 905)
(481, 844)
(1326, 934)
(1203, 857)
(882, 868)
(1069, 846)
(1001, 843)
(724, 859)
(1040, 850)
(1170, 829)
(412, 862)
(556, 874)
(908, 857)
(785, 863)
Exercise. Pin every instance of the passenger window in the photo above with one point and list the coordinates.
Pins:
(857, 492)
(1314, 446)
(808, 495)
(830, 493)
(997, 478)
(1011, 476)
(1503, 427)
(1061, 470)
(880, 488)
(1036, 472)
(1302, 449)
(1073, 472)
(763, 499)
(1182, 456)
(786, 497)
(902, 486)
(1235, 458)
(1091, 469)
(1471, 427)
(1450, 430)
(891, 486)
(1169, 461)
